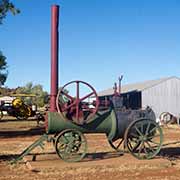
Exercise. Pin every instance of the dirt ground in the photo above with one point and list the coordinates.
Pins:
(101, 162)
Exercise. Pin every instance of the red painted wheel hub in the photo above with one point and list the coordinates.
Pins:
(77, 108)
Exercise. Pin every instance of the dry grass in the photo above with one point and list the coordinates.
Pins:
(50, 167)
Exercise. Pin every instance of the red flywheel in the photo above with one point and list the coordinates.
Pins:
(78, 107)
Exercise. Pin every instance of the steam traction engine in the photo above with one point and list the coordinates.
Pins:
(76, 116)
(73, 113)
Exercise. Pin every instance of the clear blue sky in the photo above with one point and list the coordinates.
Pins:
(99, 40)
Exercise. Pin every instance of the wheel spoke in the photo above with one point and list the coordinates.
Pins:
(77, 90)
(152, 130)
(78, 143)
(83, 98)
(153, 142)
(64, 139)
(61, 149)
(147, 129)
(130, 144)
(150, 147)
(69, 106)
(67, 95)
(140, 149)
(145, 148)
(135, 146)
(150, 137)
(138, 131)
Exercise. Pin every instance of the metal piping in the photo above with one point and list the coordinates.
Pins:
(54, 56)
(120, 79)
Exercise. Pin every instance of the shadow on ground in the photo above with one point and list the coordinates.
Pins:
(102, 155)
(170, 152)
(23, 133)
(88, 157)
(11, 119)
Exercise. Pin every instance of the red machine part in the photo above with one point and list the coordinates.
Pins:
(54, 56)
(76, 108)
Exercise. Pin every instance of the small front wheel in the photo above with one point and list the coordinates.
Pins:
(71, 145)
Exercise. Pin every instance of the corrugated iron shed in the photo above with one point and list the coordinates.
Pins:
(140, 86)
(162, 95)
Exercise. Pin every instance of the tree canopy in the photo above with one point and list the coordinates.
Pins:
(41, 96)
(5, 7)
(3, 67)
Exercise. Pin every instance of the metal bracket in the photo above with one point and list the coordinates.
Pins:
(38, 142)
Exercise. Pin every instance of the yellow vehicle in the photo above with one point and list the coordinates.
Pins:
(17, 109)
(22, 110)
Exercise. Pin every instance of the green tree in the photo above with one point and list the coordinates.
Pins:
(3, 67)
(41, 96)
(5, 7)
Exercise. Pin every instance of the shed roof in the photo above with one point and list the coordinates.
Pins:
(136, 86)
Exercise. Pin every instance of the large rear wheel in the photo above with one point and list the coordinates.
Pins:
(143, 138)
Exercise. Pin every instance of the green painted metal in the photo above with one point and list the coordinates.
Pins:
(71, 145)
(103, 122)
(37, 143)
(143, 138)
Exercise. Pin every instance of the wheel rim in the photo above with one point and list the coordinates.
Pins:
(71, 145)
(165, 118)
(75, 108)
(23, 113)
(143, 139)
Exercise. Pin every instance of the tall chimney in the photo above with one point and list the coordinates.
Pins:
(54, 56)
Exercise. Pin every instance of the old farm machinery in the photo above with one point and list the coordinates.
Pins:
(17, 109)
(75, 111)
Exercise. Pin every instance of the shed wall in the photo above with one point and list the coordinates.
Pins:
(164, 97)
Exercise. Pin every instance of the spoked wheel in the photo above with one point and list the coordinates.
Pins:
(166, 118)
(71, 145)
(20, 116)
(143, 138)
(76, 106)
(23, 113)
(116, 144)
